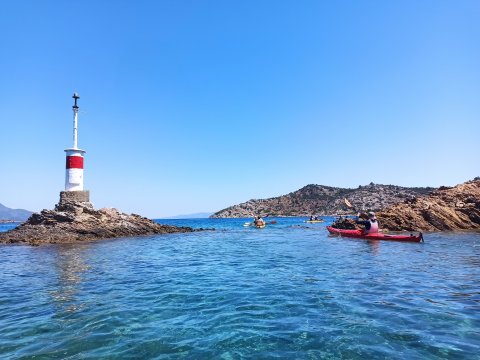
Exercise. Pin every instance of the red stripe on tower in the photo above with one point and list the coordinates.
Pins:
(74, 162)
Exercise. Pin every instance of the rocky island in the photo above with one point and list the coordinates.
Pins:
(77, 221)
(324, 200)
(74, 219)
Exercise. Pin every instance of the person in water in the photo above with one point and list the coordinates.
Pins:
(259, 221)
(371, 224)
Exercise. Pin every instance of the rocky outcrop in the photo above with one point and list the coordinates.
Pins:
(324, 200)
(72, 221)
(447, 208)
(346, 224)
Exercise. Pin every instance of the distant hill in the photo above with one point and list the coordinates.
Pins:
(13, 214)
(202, 215)
(324, 200)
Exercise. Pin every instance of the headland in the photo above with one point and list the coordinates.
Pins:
(73, 221)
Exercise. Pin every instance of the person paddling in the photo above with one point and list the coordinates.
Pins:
(259, 221)
(371, 224)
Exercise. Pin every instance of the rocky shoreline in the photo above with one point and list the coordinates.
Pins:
(445, 209)
(72, 222)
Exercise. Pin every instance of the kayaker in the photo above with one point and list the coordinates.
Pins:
(259, 221)
(371, 224)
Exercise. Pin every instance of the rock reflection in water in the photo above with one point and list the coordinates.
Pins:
(70, 265)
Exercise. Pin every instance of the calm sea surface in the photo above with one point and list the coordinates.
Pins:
(288, 291)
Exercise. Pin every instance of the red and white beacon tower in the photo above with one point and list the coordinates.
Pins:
(74, 167)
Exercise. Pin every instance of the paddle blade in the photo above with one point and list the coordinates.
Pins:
(348, 203)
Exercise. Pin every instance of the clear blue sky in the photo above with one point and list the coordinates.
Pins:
(192, 106)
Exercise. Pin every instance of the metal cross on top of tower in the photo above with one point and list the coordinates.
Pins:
(75, 96)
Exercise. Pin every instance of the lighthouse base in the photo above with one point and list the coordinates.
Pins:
(75, 196)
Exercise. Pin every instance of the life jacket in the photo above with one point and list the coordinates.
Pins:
(259, 222)
(373, 227)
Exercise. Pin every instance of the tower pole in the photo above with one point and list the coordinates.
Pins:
(75, 121)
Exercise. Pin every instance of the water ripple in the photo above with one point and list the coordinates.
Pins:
(283, 292)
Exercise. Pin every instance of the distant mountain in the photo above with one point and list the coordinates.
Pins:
(202, 215)
(324, 200)
(13, 214)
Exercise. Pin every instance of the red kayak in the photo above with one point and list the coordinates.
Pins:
(360, 235)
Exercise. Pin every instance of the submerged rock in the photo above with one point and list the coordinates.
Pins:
(445, 209)
(73, 221)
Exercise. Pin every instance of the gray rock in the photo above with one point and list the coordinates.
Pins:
(73, 221)
(446, 209)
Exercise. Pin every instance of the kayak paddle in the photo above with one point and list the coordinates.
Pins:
(349, 204)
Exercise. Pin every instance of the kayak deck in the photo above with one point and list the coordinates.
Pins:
(378, 236)
(247, 224)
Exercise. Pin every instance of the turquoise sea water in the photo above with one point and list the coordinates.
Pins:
(288, 291)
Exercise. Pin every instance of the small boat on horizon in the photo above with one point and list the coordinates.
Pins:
(315, 221)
